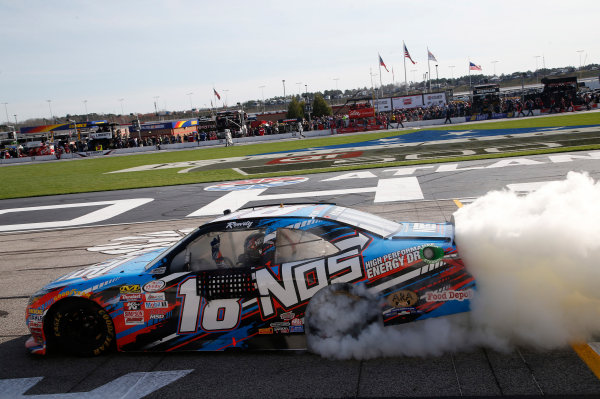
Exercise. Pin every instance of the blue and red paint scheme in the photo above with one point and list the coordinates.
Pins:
(158, 303)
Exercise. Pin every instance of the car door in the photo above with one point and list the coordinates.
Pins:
(218, 285)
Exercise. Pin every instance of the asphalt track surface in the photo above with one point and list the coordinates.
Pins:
(35, 255)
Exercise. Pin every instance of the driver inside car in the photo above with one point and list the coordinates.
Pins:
(253, 250)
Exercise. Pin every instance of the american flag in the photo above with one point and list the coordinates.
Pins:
(217, 94)
(382, 63)
(407, 55)
(473, 67)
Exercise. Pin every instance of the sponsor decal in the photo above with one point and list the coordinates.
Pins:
(36, 317)
(393, 262)
(297, 329)
(289, 287)
(156, 305)
(35, 324)
(281, 330)
(155, 296)
(265, 330)
(157, 316)
(133, 313)
(131, 297)
(159, 270)
(133, 321)
(297, 322)
(287, 315)
(133, 305)
(425, 227)
(154, 285)
(36, 311)
(236, 225)
(403, 299)
(402, 311)
(128, 289)
(256, 183)
(280, 324)
(449, 295)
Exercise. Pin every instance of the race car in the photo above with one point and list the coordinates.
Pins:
(255, 278)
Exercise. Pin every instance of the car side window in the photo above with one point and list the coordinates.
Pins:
(293, 245)
(221, 250)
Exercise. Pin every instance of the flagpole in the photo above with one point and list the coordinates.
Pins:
(404, 57)
(380, 83)
(429, 69)
(469, 73)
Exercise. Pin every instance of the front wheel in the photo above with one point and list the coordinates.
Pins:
(82, 328)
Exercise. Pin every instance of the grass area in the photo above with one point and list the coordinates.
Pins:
(89, 175)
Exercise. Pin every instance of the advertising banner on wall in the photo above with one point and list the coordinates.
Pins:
(360, 113)
(382, 104)
(101, 135)
(406, 102)
(434, 99)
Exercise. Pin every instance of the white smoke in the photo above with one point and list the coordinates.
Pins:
(536, 259)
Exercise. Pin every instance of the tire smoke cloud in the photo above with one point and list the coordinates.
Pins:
(536, 260)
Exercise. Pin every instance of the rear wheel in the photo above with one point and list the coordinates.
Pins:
(82, 328)
(340, 310)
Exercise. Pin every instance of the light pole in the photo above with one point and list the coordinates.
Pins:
(494, 63)
(191, 107)
(307, 104)
(413, 75)
(336, 87)
(437, 78)
(50, 108)
(6, 110)
(86, 113)
(536, 67)
(226, 97)
(580, 52)
(121, 101)
(283, 81)
(299, 93)
(155, 106)
(262, 88)
(74, 128)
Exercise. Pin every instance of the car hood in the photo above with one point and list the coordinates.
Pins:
(113, 268)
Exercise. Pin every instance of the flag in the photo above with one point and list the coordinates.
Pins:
(407, 55)
(430, 56)
(382, 63)
(217, 94)
(473, 67)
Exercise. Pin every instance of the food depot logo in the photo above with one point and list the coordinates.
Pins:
(449, 295)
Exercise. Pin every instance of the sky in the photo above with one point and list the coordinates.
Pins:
(71, 57)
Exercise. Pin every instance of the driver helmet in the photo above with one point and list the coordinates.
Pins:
(253, 246)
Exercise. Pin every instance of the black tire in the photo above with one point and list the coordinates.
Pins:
(340, 310)
(82, 328)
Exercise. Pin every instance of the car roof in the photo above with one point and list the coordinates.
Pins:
(304, 210)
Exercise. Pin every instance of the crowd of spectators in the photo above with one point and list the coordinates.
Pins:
(557, 102)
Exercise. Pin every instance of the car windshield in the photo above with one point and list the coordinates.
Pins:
(364, 220)
(162, 254)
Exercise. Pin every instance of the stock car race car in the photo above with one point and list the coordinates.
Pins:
(249, 279)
